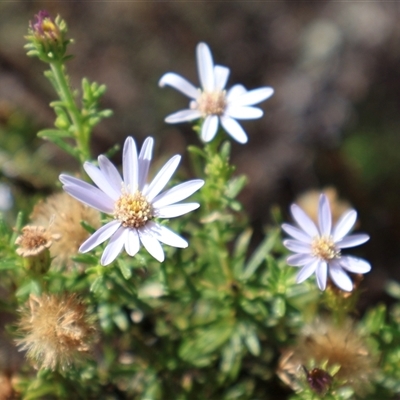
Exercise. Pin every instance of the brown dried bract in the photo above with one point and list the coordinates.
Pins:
(34, 240)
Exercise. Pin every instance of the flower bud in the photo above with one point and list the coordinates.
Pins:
(34, 243)
(46, 37)
(44, 28)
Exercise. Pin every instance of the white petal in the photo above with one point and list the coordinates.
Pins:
(234, 129)
(322, 274)
(324, 216)
(297, 260)
(352, 240)
(88, 194)
(304, 221)
(306, 271)
(97, 176)
(100, 236)
(255, 96)
(209, 128)
(112, 174)
(114, 246)
(151, 244)
(132, 243)
(144, 161)
(297, 247)
(176, 210)
(296, 233)
(162, 178)
(221, 75)
(130, 165)
(177, 193)
(339, 277)
(355, 265)
(239, 112)
(205, 66)
(166, 236)
(235, 92)
(183, 116)
(344, 225)
(179, 83)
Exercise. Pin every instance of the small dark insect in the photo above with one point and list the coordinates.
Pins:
(318, 379)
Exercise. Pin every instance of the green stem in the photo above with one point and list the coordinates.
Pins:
(211, 203)
(223, 255)
(64, 91)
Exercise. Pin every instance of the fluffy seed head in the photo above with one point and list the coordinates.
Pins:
(133, 210)
(65, 214)
(325, 346)
(56, 331)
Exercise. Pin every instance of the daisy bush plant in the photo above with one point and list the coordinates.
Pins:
(129, 282)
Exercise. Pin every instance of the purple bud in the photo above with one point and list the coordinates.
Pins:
(44, 27)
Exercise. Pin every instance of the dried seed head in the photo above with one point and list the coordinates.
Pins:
(324, 346)
(65, 214)
(34, 240)
(56, 331)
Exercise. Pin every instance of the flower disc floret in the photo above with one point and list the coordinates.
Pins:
(133, 210)
(211, 103)
(318, 249)
(134, 204)
(324, 248)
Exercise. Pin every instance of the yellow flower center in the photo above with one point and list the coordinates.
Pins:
(212, 103)
(48, 26)
(324, 248)
(133, 210)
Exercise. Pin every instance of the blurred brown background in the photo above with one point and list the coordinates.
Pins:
(334, 118)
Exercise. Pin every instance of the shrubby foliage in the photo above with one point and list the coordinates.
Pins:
(224, 318)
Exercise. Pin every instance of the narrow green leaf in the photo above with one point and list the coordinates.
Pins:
(120, 319)
(18, 226)
(260, 253)
(63, 145)
(97, 284)
(375, 319)
(197, 151)
(125, 270)
(51, 133)
(205, 341)
(240, 251)
(231, 356)
(251, 341)
(235, 186)
(279, 307)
